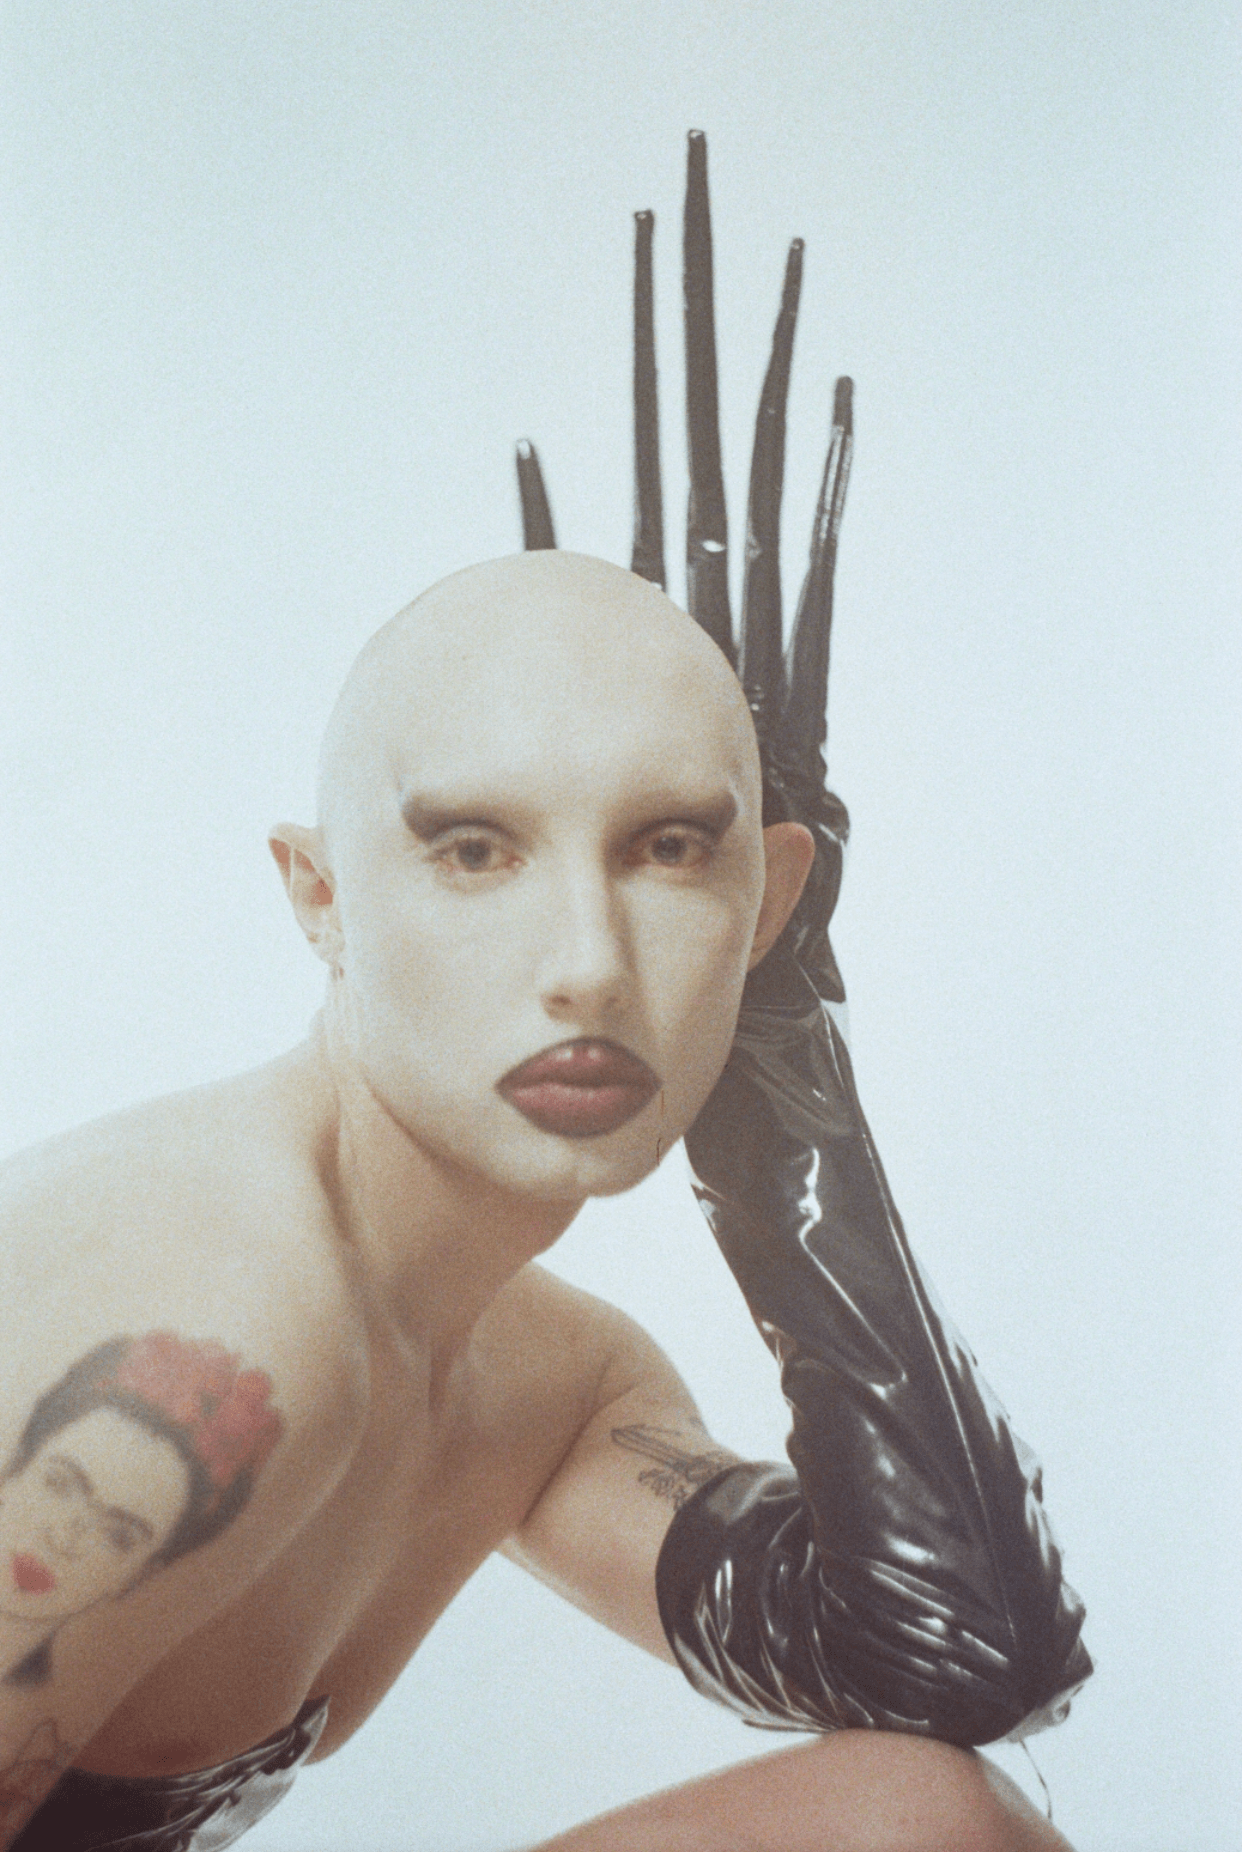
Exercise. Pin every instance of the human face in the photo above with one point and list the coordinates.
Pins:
(563, 845)
(84, 1516)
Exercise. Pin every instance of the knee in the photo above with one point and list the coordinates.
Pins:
(910, 1794)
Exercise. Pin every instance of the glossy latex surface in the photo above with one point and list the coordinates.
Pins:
(904, 1576)
(204, 1811)
(907, 1577)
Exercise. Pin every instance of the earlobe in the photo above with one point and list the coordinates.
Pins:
(299, 854)
(788, 851)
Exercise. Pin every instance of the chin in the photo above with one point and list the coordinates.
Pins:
(572, 1176)
(614, 1179)
(492, 1141)
(569, 1170)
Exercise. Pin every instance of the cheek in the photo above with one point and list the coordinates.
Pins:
(434, 982)
(693, 952)
(27, 1510)
(694, 963)
(13, 1509)
(104, 1572)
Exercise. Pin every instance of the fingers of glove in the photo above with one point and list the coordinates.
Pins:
(804, 724)
(647, 557)
(763, 663)
(537, 532)
(707, 533)
(796, 755)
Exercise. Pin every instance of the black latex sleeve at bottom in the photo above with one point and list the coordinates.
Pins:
(204, 1811)
(906, 1575)
(753, 1626)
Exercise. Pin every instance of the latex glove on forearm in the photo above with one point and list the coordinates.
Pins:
(907, 1577)
(904, 1575)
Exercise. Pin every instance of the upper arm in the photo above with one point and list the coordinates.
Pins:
(156, 1451)
(596, 1530)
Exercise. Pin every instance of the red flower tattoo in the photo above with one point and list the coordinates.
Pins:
(222, 1409)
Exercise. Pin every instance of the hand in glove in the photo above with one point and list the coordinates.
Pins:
(906, 1578)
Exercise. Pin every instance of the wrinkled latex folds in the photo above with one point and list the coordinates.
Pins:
(205, 1811)
(907, 1578)
(904, 1575)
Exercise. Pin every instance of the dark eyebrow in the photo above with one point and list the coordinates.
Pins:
(132, 1518)
(713, 814)
(427, 818)
(85, 1484)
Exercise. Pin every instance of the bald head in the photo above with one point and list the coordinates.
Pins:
(540, 823)
(551, 650)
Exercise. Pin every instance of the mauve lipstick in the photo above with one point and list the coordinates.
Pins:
(580, 1089)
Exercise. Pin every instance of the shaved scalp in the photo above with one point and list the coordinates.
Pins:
(545, 632)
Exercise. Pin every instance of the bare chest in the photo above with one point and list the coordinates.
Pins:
(345, 1605)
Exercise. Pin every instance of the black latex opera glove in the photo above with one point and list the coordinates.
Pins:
(904, 1576)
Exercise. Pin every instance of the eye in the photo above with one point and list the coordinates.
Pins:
(673, 845)
(122, 1535)
(473, 852)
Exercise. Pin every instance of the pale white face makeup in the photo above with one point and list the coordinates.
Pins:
(540, 822)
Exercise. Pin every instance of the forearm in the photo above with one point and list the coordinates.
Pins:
(908, 1578)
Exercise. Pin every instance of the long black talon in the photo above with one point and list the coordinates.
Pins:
(537, 534)
(707, 530)
(804, 727)
(647, 558)
(763, 666)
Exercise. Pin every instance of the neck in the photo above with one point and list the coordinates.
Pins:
(436, 1242)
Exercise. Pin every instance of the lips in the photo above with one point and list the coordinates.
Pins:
(580, 1089)
(32, 1576)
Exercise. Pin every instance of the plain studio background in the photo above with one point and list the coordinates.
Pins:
(282, 285)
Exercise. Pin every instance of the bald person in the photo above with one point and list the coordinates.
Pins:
(282, 1370)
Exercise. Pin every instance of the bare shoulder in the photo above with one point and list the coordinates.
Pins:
(199, 1214)
(558, 1362)
(578, 1348)
(179, 1394)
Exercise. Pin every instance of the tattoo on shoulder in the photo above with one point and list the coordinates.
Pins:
(144, 1450)
(677, 1471)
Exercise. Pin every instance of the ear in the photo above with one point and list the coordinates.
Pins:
(788, 851)
(308, 879)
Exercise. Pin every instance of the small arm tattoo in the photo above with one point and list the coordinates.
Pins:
(677, 1471)
(31, 1775)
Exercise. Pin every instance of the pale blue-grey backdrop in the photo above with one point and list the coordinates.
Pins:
(281, 285)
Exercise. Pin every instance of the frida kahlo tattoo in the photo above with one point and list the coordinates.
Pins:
(144, 1450)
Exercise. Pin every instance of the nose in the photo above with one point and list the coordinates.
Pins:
(66, 1532)
(586, 966)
